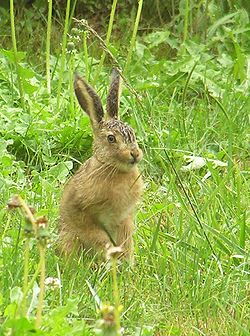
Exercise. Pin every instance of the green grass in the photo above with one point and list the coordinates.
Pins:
(191, 275)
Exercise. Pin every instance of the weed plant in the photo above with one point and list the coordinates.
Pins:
(186, 93)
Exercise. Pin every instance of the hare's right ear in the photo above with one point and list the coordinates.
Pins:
(113, 99)
(88, 100)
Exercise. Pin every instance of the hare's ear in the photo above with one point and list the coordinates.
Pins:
(88, 99)
(113, 99)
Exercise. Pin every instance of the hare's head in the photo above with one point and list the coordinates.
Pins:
(114, 141)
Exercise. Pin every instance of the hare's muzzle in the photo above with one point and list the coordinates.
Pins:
(136, 155)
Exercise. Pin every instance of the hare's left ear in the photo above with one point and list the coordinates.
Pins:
(113, 99)
(88, 100)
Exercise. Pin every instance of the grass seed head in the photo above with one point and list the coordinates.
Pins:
(14, 203)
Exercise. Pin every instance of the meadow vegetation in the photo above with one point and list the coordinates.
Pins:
(186, 93)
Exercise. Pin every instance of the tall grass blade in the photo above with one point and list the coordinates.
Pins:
(94, 294)
(156, 234)
(63, 56)
(190, 203)
(110, 26)
(186, 13)
(42, 286)
(86, 55)
(13, 37)
(48, 37)
(133, 39)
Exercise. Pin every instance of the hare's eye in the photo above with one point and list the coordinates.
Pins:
(111, 138)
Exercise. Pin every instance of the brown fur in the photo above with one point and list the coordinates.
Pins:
(113, 98)
(99, 201)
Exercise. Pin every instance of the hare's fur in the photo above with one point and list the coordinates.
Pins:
(99, 201)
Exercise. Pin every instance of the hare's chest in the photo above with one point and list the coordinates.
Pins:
(124, 194)
(119, 201)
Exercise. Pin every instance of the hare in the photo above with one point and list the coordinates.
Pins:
(99, 201)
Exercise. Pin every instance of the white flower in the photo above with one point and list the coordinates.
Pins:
(53, 283)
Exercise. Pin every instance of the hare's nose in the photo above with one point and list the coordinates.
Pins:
(135, 154)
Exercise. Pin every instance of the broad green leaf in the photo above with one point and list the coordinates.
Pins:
(61, 170)
(16, 295)
(9, 54)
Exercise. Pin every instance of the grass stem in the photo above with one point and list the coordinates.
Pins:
(86, 55)
(48, 37)
(13, 36)
(185, 30)
(116, 295)
(71, 86)
(63, 56)
(110, 26)
(25, 274)
(42, 286)
(133, 39)
(32, 281)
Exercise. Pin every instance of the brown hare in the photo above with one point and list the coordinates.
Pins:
(98, 202)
